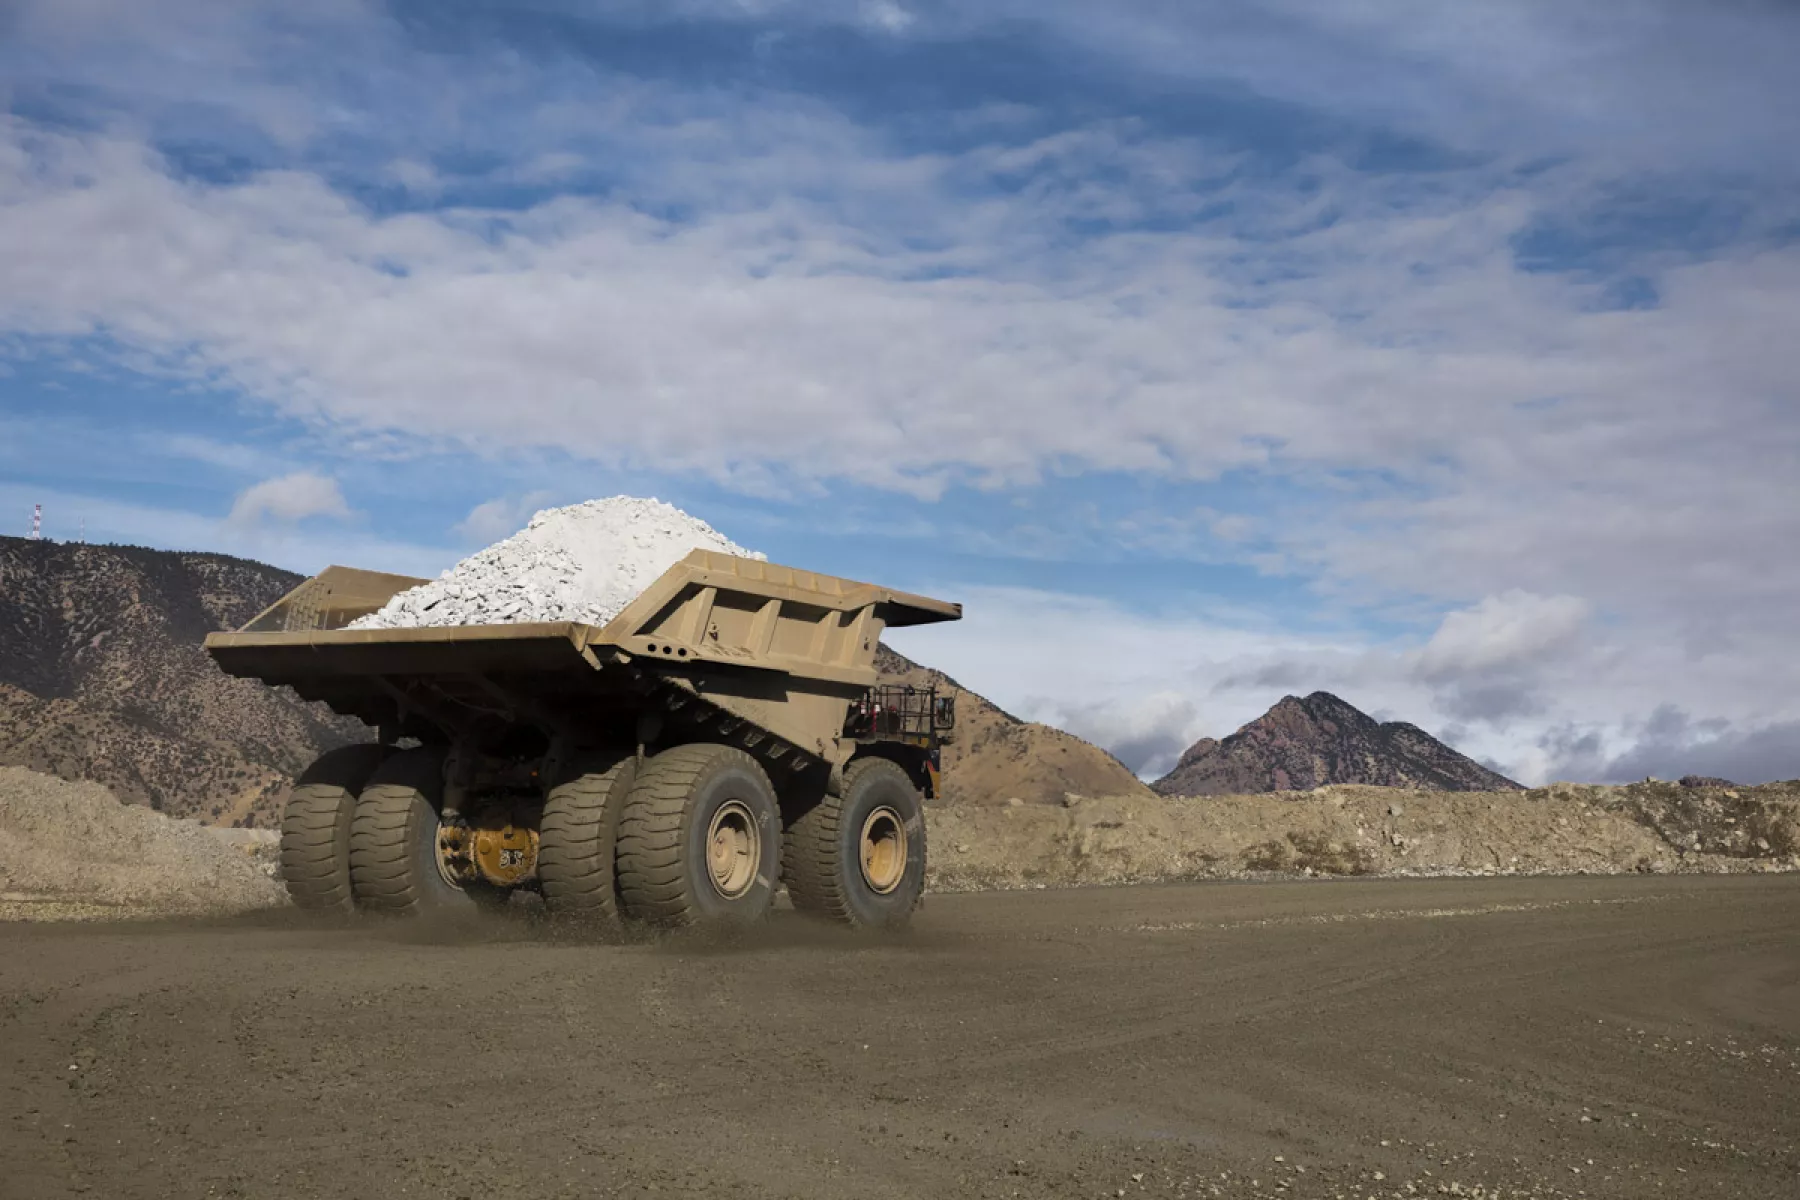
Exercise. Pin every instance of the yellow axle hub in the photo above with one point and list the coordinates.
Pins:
(504, 855)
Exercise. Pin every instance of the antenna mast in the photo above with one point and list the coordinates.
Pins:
(37, 522)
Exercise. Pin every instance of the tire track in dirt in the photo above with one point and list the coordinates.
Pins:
(1265, 1040)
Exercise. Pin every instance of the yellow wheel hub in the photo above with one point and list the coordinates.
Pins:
(733, 849)
(883, 850)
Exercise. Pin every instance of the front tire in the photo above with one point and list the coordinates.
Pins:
(315, 828)
(700, 839)
(859, 858)
(394, 840)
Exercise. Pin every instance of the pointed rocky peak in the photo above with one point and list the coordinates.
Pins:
(1198, 750)
(1301, 744)
(1323, 706)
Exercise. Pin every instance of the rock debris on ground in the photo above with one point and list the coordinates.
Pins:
(585, 563)
(72, 851)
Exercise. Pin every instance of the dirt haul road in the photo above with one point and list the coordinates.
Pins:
(1576, 1037)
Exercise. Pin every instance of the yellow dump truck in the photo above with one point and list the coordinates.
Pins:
(723, 734)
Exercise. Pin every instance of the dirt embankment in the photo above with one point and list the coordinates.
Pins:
(72, 851)
(1565, 829)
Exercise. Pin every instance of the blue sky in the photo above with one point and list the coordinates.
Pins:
(1441, 356)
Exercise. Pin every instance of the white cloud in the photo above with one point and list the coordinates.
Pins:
(289, 499)
(886, 15)
(500, 517)
(418, 177)
(1146, 733)
(808, 349)
(1511, 630)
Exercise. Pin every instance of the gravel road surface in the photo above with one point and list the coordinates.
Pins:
(1575, 1037)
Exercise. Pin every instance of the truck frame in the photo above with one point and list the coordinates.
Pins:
(721, 736)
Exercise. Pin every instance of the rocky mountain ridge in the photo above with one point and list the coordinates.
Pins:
(102, 678)
(1301, 744)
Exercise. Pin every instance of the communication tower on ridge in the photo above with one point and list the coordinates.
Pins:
(37, 522)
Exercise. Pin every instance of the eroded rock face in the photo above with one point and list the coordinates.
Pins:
(1301, 744)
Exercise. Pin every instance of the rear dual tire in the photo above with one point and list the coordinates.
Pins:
(394, 843)
(315, 828)
(578, 838)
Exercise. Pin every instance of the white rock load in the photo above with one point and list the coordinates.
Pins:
(584, 563)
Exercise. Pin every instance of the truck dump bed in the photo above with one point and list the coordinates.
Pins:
(717, 641)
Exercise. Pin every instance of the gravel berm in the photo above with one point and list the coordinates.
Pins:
(72, 851)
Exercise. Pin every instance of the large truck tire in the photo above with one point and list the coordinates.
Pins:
(393, 842)
(859, 858)
(577, 839)
(700, 839)
(315, 827)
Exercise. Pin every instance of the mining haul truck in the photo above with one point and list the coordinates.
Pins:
(724, 735)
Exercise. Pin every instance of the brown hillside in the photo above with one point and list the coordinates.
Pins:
(996, 757)
(102, 677)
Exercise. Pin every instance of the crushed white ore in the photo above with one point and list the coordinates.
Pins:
(583, 563)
